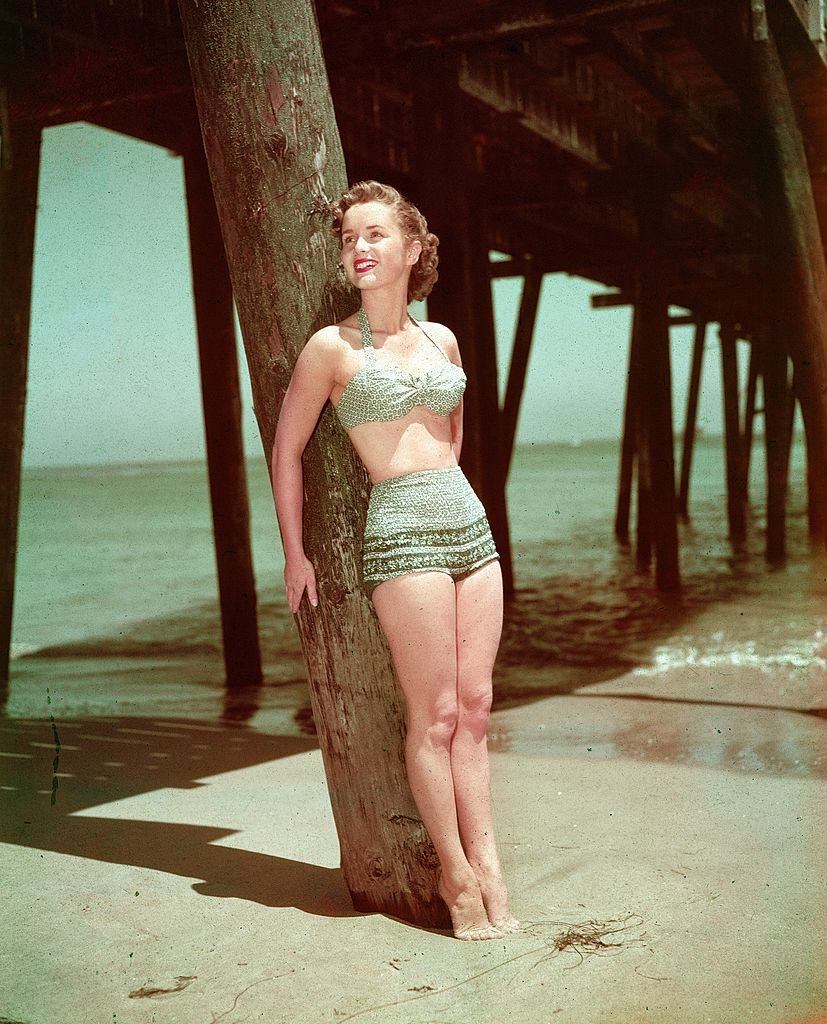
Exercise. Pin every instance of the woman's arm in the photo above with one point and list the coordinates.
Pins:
(309, 388)
(452, 350)
(456, 430)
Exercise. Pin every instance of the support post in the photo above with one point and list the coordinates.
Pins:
(777, 403)
(523, 335)
(644, 543)
(749, 416)
(452, 192)
(628, 446)
(19, 170)
(656, 390)
(690, 425)
(795, 250)
(275, 161)
(733, 439)
(221, 403)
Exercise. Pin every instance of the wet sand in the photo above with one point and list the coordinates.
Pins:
(661, 825)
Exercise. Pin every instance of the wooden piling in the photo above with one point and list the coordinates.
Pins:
(733, 440)
(275, 161)
(774, 362)
(221, 403)
(19, 170)
(523, 335)
(628, 448)
(750, 413)
(644, 542)
(690, 423)
(656, 392)
(795, 250)
(453, 196)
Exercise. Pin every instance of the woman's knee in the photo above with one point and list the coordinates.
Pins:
(475, 697)
(435, 720)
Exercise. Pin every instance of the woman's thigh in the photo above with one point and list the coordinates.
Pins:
(417, 613)
(479, 600)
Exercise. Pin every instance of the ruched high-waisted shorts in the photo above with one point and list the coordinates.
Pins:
(428, 519)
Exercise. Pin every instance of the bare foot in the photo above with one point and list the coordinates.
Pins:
(495, 897)
(468, 915)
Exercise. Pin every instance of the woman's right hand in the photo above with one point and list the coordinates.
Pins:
(298, 574)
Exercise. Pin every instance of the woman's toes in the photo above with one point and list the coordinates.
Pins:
(508, 924)
(468, 915)
(477, 934)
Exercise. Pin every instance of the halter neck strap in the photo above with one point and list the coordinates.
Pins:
(367, 336)
(364, 326)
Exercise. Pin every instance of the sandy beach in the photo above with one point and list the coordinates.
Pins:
(658, 771)
(662, 832)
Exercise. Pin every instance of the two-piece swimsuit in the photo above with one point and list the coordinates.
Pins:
(429, 519)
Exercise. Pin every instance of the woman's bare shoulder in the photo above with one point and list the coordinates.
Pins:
(329, 340)
(336, 337)
(446, 337)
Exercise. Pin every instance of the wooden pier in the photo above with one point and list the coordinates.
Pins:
(672, 152)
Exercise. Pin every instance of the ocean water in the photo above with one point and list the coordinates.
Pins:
(117, 561)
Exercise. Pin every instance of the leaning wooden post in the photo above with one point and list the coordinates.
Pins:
(749, 416)
(795, 250)
(221, 403)
(454, 199)
(656, 390)
(275, 160)
(523, 335)
(774, 373)
(643, 460)
(628, 446)
(733, 439)
(690, 424)
(19, 169)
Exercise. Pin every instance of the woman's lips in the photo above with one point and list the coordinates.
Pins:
(362, 268)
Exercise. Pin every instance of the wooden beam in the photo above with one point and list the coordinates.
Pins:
(454, 195)
(749, 416)
(523, 336)
(61, 95)
(19, 171)
(169, 121)
(221, 402)
(778, 400)
(688, 446)
(628, 448)
(733, 437)
(644, 540)
(656, 391)
(433, 24)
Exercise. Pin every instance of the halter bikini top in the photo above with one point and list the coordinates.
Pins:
(380, 393)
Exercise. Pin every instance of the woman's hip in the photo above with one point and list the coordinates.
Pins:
(422, 498)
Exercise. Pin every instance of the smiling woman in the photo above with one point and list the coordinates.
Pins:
(429, 562)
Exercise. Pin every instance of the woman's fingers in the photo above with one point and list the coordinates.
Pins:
(297, 583)
(311, 585)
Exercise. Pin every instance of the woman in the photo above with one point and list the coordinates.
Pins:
(430, 565)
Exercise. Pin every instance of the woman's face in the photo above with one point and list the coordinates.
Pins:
(374, 250)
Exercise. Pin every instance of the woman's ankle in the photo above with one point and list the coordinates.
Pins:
(457, 879)
(487, 865)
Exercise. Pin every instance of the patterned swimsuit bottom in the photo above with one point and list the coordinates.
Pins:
(430, 519)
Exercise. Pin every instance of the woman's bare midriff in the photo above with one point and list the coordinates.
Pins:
(420, 440)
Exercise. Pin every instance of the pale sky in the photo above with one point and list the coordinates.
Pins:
(113, 367)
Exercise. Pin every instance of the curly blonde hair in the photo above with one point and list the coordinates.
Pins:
(414, 227)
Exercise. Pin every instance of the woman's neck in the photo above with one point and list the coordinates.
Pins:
(386, 315)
